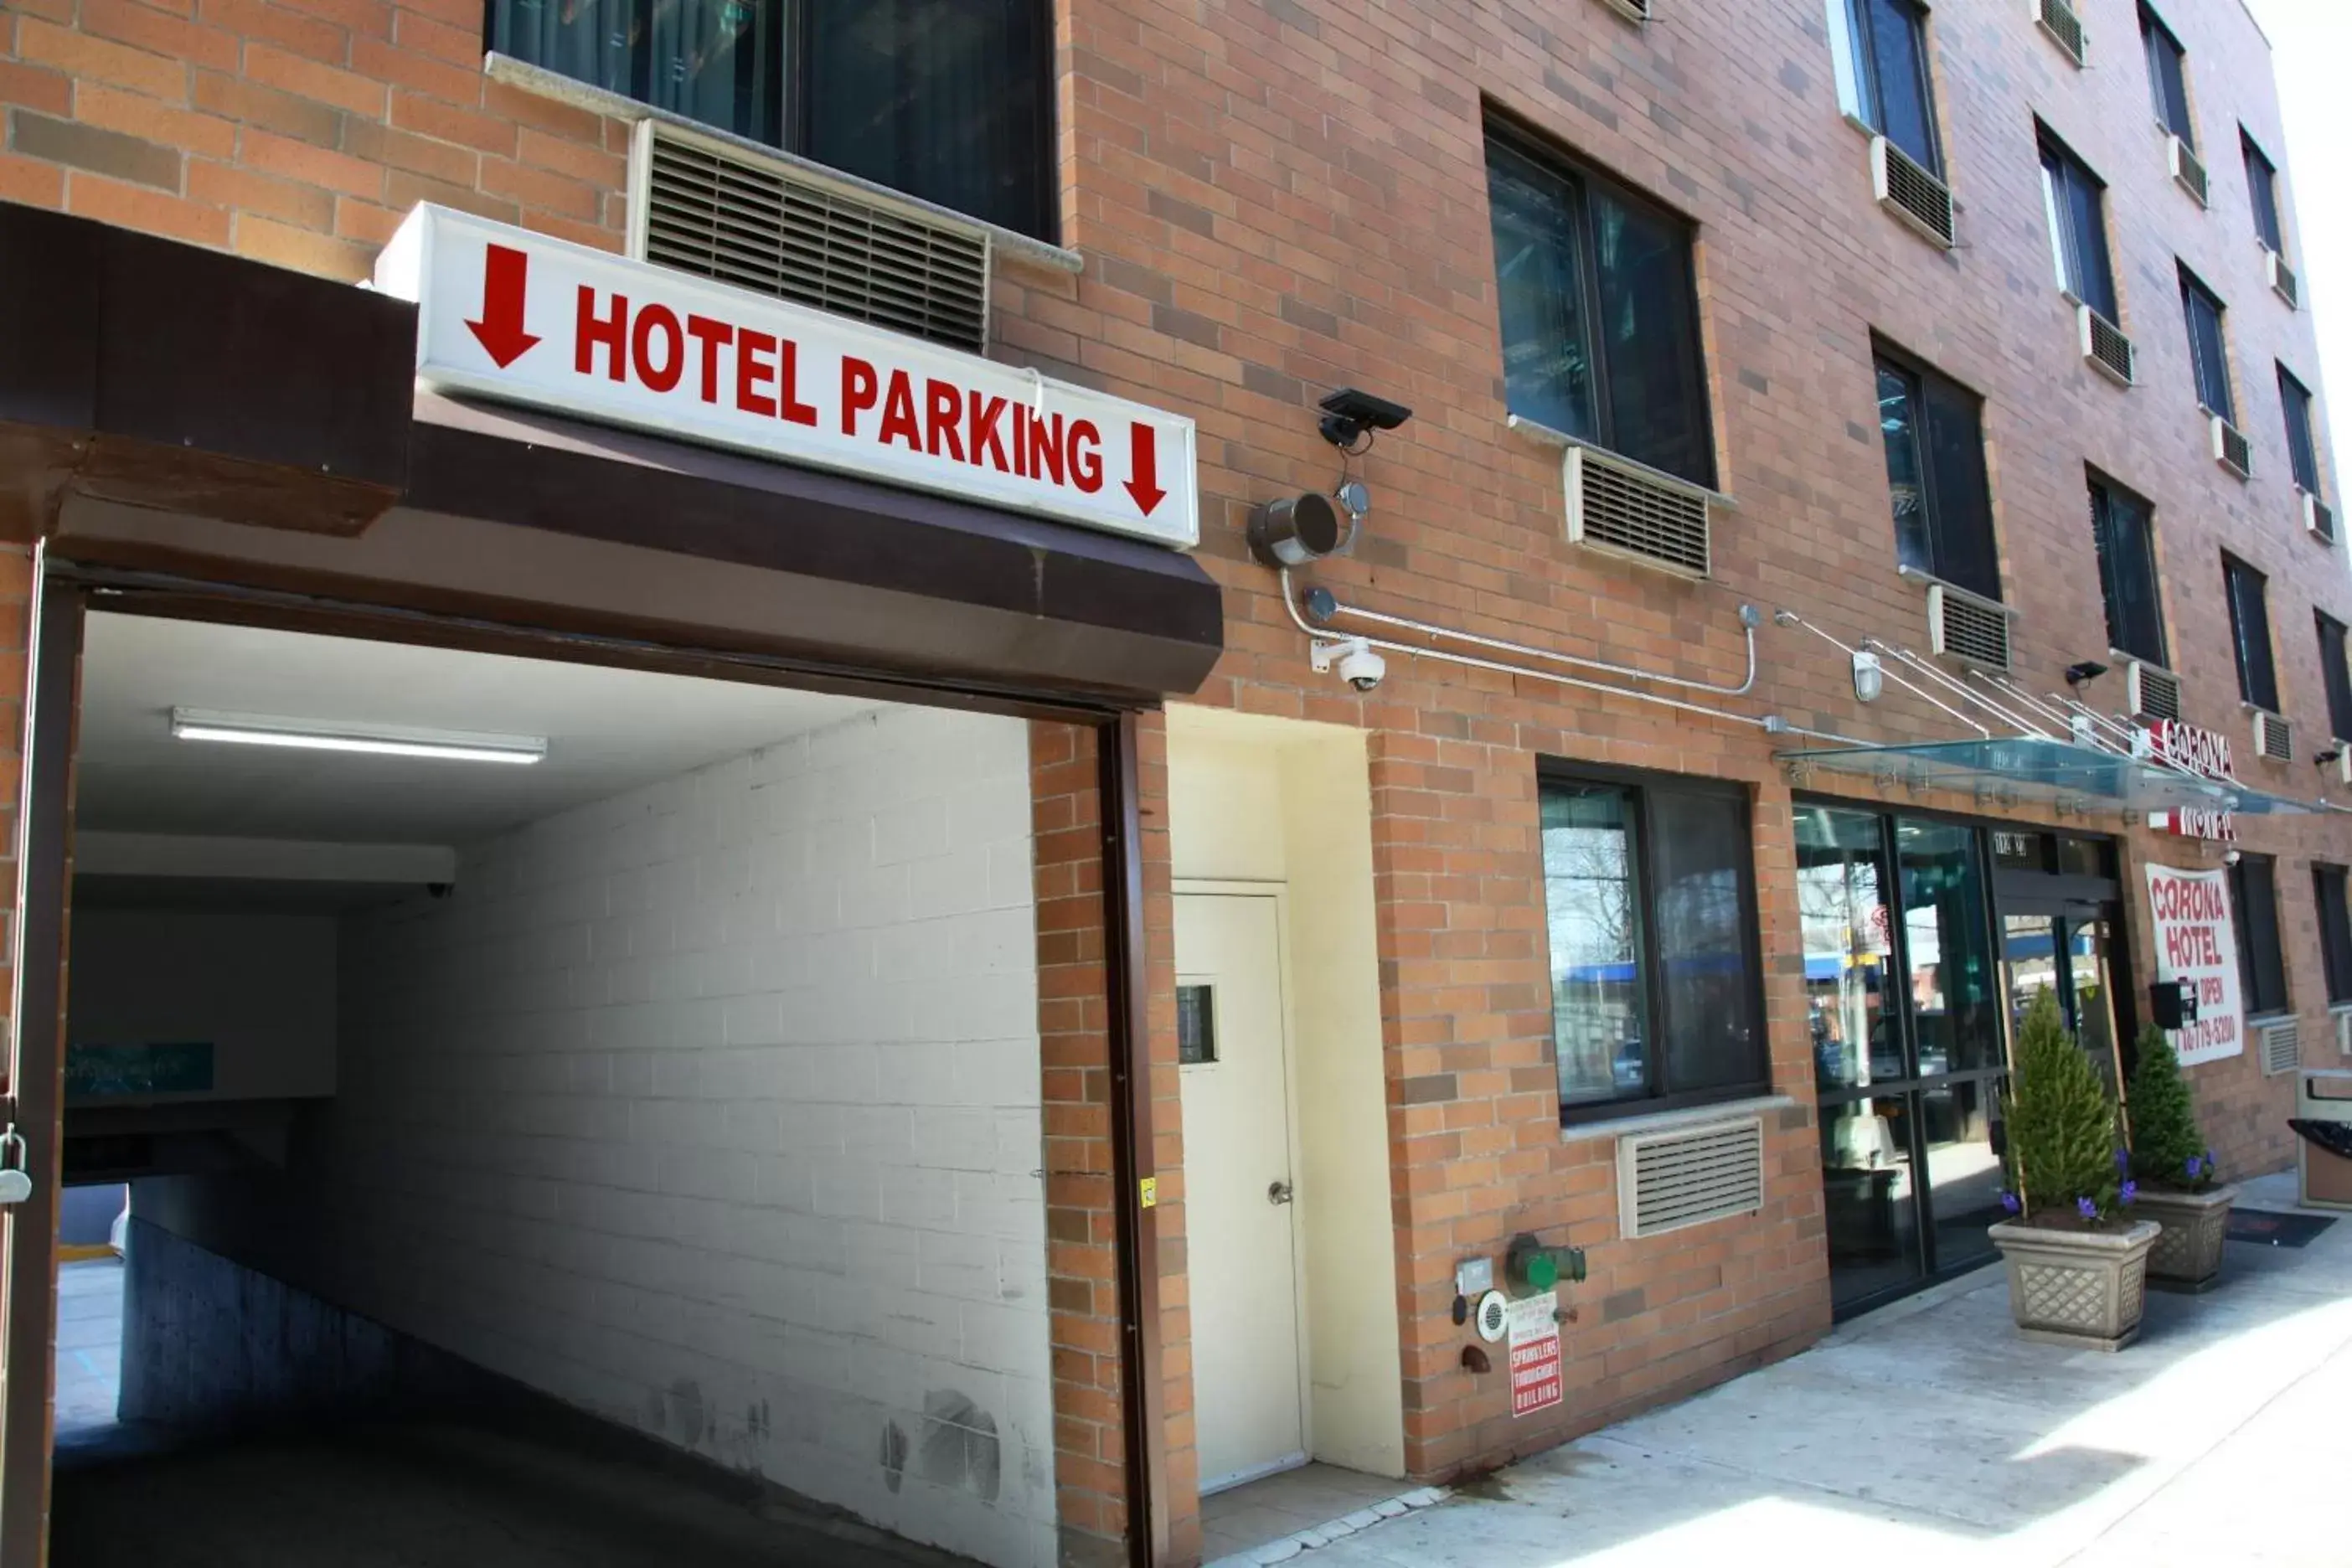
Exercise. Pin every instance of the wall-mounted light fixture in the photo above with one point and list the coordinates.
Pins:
(373, 739)
(2083, 672)
(1869, 676)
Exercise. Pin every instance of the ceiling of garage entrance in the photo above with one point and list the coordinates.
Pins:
(607, 731)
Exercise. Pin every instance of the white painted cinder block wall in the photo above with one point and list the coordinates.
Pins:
(714, 1108)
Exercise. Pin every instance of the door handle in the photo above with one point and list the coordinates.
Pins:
(1279, 1191)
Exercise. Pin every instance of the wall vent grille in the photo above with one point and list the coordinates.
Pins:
(2186, 169)
(2282, 1047)
(2344, 1033)
(2105, 345)
(2153, 693)
(1963, 626)
(2318, 517)
(2273, 737)
(722, 213)
(2283, 279)
(1669, 1180)
(1629, 512)
(2231, 450)
(2065, 27)
(1911, 192)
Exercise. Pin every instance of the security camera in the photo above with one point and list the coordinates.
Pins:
(2231, 857)
(1353, 657)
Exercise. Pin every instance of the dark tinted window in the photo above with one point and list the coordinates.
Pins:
(2208, 348)
(2250, 633)
(945, 99)
(1650, 909)
(1891, 49)
(2302, 449)
(2335, 931)
(2261, 185)
(1935, 476)
(1599, 309)
(2167, 77)
(2336, 674)
(2123, 528)
(2078, 227)
(2254, 898)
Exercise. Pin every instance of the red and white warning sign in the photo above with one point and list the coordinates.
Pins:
(1535, 1353)
(507, 314)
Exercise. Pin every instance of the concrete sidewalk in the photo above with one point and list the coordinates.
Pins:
(1930, 1434)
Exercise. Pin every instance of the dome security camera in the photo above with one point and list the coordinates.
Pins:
(1354, 660)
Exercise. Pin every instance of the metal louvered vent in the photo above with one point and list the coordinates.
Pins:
(2318, 517)
(1632, 10)
(2282, 1047)
(2152, 693)
(2283, 279)
(1630, 511)
(1963, 626)
(2105, 345)
(1669, 1180)
(1910, 191)
(2065, 27)
(720, 212)
(2273, 737)
(2344, 1031)
(2186, 169)
(2231, 450)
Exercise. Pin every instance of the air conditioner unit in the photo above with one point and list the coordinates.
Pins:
(2058, 20)
(1632, 10)
(2344, 1033)
(2283, 279)
(1633, 511)
(2152, 693)
(775, 226)
(1688, 1176)
(2343, 761)
(2282, 1047)
(2273, 737)
(2105, 345)
(1913, 194)
(1963, 626)
(2186, 168)
(2231, 450)
(2318, 517)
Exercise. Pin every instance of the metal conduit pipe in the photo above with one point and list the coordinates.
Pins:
(1748, 624)
(1473, 662)
(1790, 618)
(2021, 726)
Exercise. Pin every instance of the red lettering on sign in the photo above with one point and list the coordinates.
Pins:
(754, 370)
(899, 414)
(860, 390)
(1046, 448)
(942, 418)
(661, 319)
(609, 332)
(985, 412)
(1020, 439)
(712, 335)
(1085, 456)
(788, 388)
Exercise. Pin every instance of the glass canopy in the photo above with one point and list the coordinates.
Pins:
(2019, 768)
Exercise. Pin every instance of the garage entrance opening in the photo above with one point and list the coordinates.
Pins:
(570, 1113)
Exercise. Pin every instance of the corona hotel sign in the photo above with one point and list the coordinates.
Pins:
(2195, 937)
(506, 314)
(2190, 749)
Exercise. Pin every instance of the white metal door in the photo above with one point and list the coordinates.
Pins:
(1239, 1224)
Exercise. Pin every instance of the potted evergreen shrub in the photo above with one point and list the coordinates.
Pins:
(2179, 1187)
(2078, 1261)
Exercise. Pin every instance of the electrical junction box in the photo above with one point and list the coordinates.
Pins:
(1474, 1276)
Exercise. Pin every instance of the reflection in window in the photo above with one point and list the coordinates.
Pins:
(1842, 906)
(1592, 899)
(1196, 1025)
(1947, 931)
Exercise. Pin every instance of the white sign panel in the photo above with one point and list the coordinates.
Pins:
(507, 314)
(2196, 939)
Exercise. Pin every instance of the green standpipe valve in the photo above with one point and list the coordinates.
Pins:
(1534, 1268)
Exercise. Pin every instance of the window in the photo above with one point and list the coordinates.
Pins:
(1599, 312)
(2075, 200)
(2208, 348)
(2302, 449)
(2261, 185)
(2123, 528)
(2250, 633)
(2167, 77)
(1880, 54)
(1649, 899)
(1936, 475)
(2336, 674)
(2335, 931)
(2253, 901)
(945, 99)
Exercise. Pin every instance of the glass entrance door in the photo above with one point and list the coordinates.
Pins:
(2062, 946)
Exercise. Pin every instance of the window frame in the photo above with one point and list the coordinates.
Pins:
(1578, 179)
(2336, 934)
(2263, 193)
(2085, 279)
(2296, 407)
(2159, 42)
(2103, 494)
(2336, 672)
(2219, 394)
(1861, 94)
(1639, 785)
(2245, 646)
(2261, 1001)
(1922, 376)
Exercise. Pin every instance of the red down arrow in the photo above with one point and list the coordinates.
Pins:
(505, 271)
(1144, 464)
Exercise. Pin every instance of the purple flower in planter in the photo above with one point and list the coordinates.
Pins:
(2123, 1161)
(2196, 1167)
(2130, 1191)
(2210, 1166)
(2008, 1200)
(2086, 1208)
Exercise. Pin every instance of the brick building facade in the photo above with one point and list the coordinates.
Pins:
(1258, 203)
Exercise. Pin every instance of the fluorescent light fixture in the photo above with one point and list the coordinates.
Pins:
(374, 740)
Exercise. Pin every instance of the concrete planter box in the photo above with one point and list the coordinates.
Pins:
(2187, 1256)
(2081, 1289)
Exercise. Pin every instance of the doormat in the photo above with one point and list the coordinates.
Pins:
(2266, 1228)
